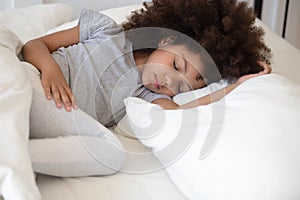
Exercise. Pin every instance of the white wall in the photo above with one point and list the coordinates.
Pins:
(9, 4)
(292, 33)
(6, 4)
(95, 4)
(273, 16)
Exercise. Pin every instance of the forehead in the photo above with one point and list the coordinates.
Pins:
(192, 58)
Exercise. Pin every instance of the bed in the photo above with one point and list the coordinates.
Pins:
(159, 176)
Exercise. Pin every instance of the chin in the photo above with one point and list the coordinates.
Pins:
(149, 87)
(170, 94)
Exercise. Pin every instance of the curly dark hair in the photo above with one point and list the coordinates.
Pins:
(225, 28)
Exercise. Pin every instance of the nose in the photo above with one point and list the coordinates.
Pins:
(172, 80)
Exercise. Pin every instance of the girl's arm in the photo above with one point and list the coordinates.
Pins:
(213, 97)
(210, 98)
(38, 53)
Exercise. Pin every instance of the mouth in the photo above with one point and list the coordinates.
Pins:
(156, 84)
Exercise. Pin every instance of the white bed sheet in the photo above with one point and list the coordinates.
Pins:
(153, 185)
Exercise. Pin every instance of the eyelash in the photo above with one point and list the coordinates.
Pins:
(175, 67)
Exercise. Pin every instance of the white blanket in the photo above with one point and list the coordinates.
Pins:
(16, 176)
(14, 87)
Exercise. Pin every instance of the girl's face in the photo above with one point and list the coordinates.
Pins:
(170, 70)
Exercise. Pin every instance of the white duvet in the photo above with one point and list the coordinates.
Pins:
(15, 165)
(16, 176)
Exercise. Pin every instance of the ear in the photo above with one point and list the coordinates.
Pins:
(166, 41)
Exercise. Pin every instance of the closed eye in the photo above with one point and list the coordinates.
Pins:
(175, 67)
(180, 64)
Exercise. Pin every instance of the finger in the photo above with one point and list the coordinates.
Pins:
(71, 97)
(65, 99)
(73, 102)
(267, 68)
(47, 91)
(56, 96)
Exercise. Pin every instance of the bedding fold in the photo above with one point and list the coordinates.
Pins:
(16, 175)
(17, 180)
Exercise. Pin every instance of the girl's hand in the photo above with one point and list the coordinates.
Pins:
(267, 70)
(56, 87)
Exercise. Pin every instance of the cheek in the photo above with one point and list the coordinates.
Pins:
(198, 85)
(146, 74)
(149, 70)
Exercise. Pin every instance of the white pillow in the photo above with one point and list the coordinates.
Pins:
(31, 22)
(245, 146)
(124, 128)
(119, 14)
(16, 175)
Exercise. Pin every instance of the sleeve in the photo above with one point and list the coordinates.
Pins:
(149, 96)
(93, 23)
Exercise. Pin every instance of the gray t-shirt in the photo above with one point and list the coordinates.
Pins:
(101, 70)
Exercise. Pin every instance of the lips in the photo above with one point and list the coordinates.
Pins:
(156, 84)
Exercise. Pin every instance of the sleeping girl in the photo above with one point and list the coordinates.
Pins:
(167, 48)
